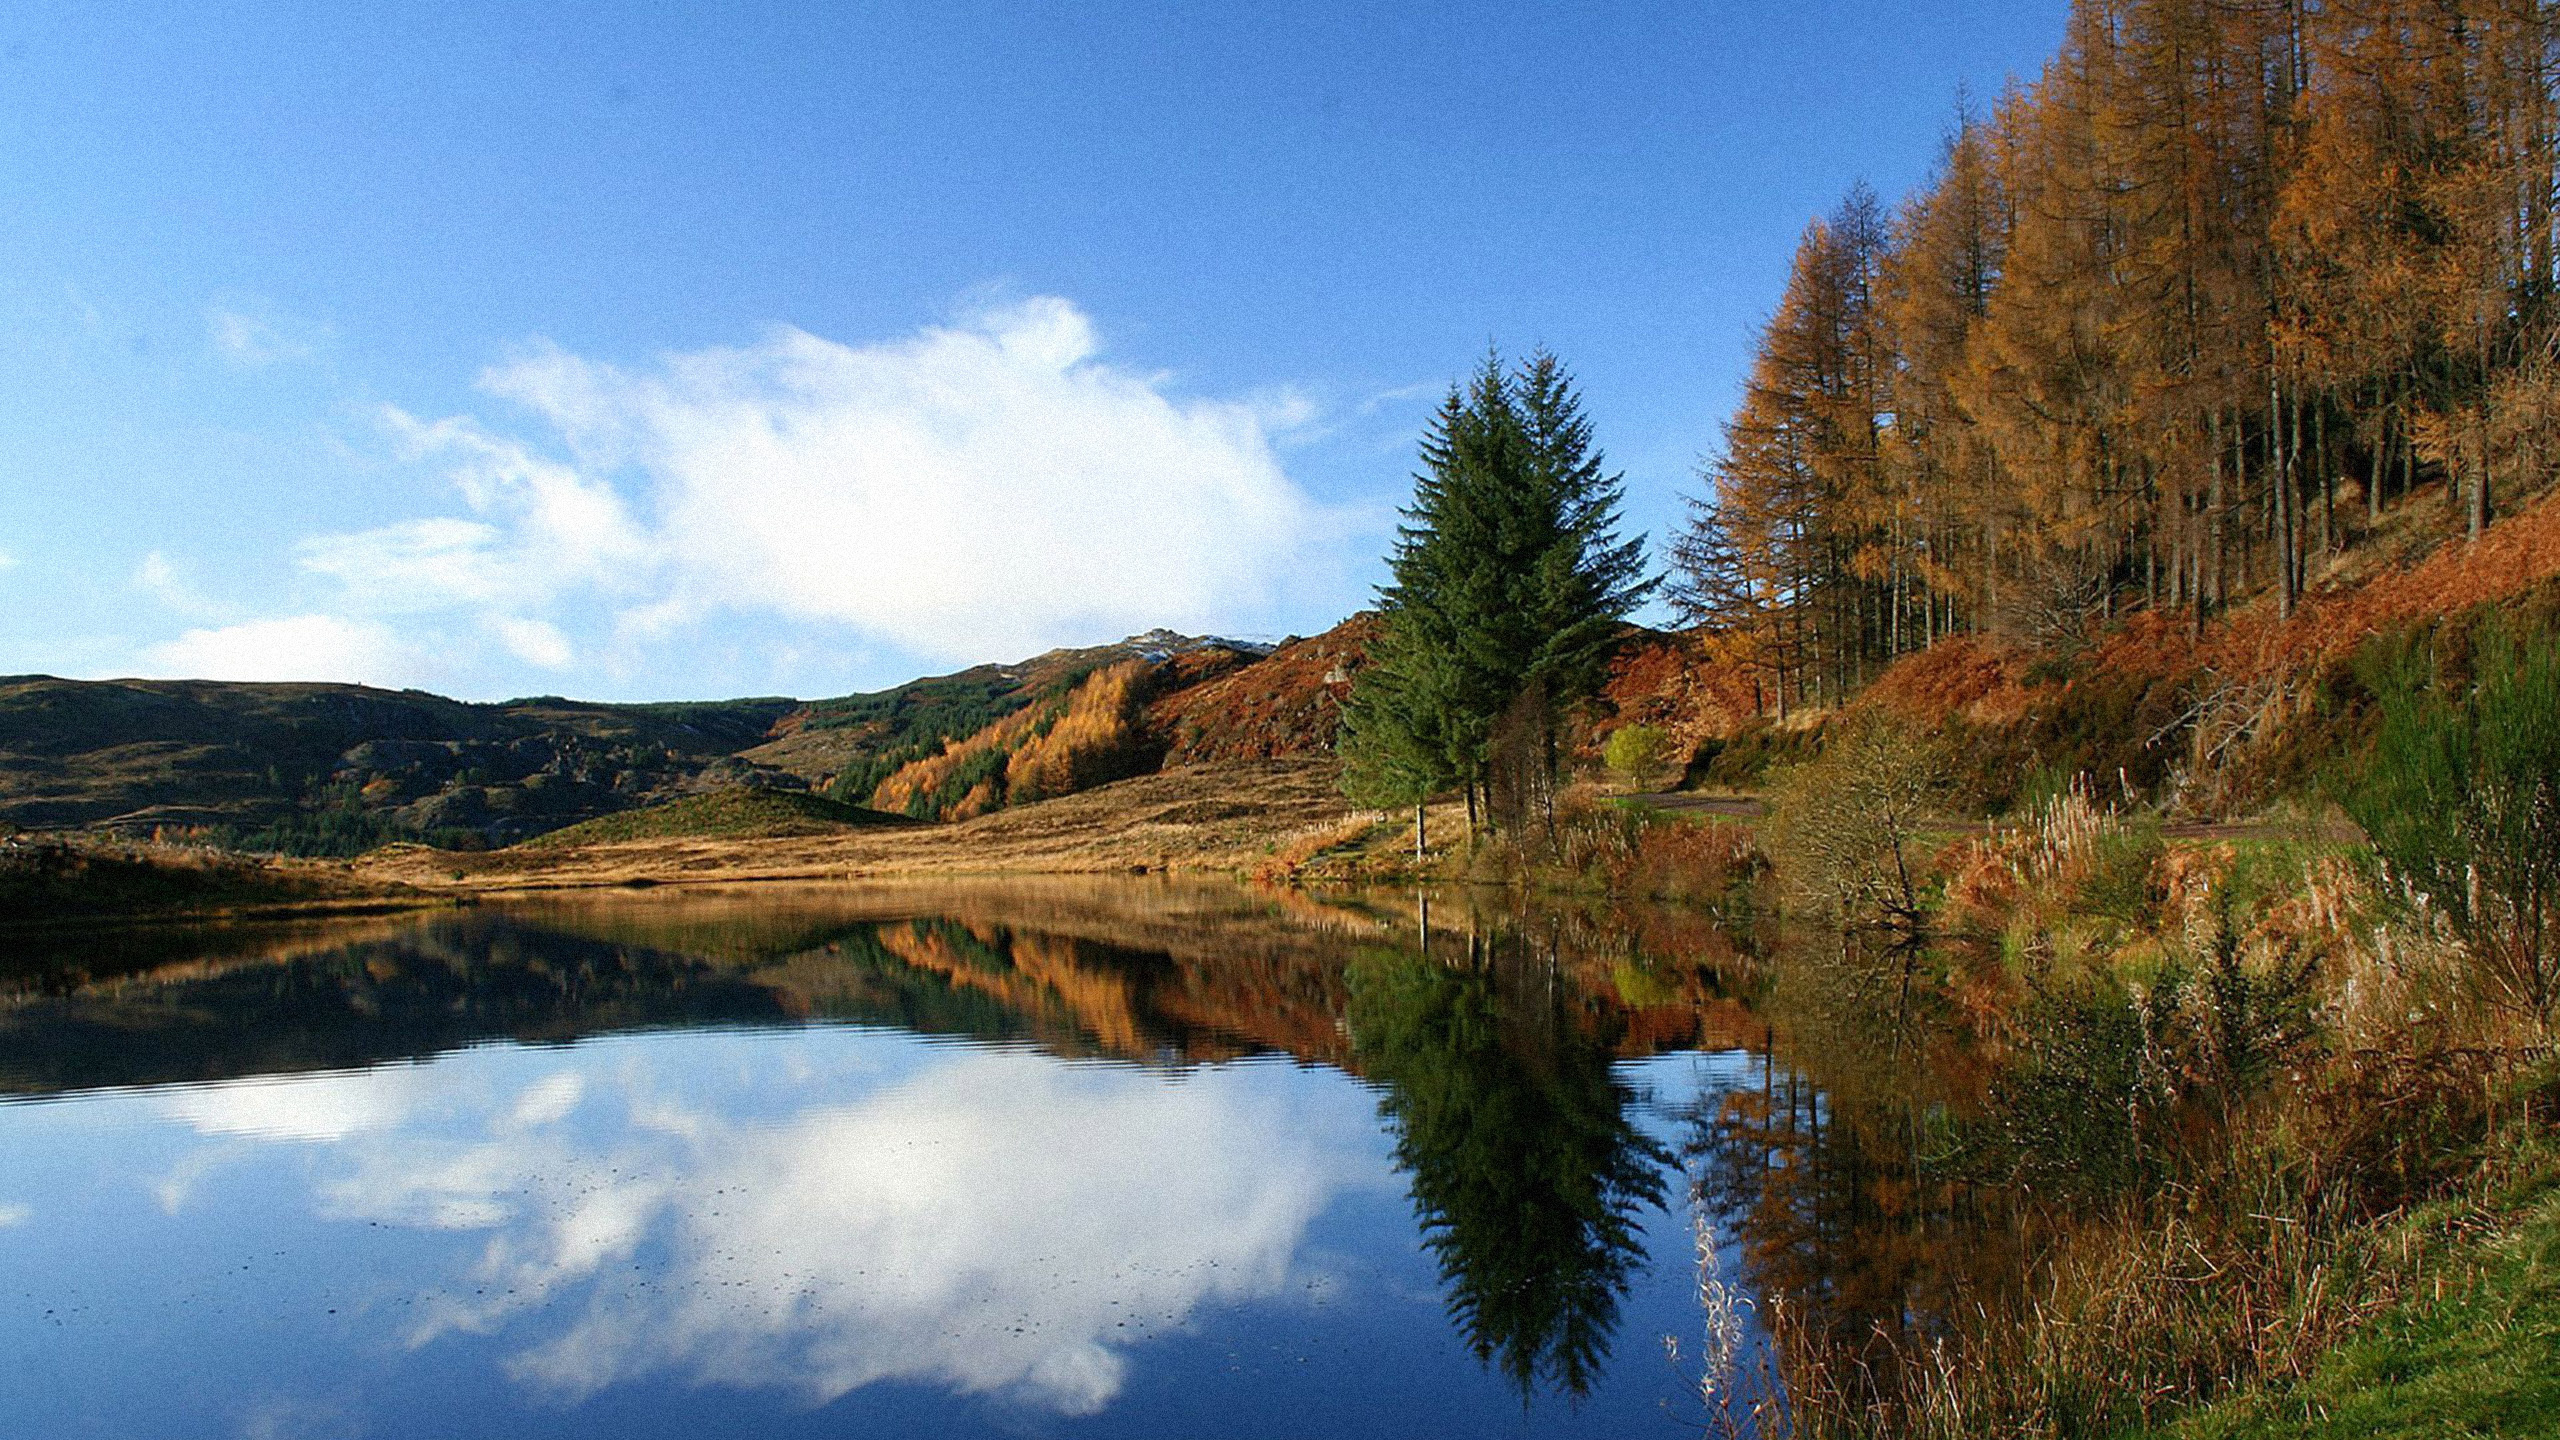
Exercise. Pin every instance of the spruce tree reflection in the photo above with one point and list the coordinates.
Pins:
(1526, 1173)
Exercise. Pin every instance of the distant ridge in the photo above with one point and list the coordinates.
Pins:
(326, 768)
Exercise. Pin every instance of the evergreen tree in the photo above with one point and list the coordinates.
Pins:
(1507, 575)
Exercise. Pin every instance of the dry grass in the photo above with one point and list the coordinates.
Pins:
(2265, 1119)
(1293, 854)
(1223, 819)
(44, 879)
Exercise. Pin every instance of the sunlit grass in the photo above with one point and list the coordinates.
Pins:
(2477, 1354)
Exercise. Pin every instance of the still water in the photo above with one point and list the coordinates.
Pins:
(1126, 1160)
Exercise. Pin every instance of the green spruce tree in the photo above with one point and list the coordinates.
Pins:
(1507, 577)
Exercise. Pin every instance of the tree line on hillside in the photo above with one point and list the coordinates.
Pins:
(2170, 325)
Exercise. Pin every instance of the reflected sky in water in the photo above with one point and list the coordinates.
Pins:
(812, 1228)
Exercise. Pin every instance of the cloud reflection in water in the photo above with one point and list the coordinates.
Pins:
(825, 1211)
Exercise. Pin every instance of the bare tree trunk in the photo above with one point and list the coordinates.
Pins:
(2210, 593)
(2479, 517)
(2328, 479)
(2380, 473)
(2282, 513)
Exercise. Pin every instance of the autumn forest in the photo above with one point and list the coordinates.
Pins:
(2174, 323)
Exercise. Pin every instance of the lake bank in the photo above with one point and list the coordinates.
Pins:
(1230, 819)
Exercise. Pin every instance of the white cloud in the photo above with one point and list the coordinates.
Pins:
(542, 529)
(293, 647)
(535, 642)
(7, 560)
(1416, 391)
(298, 1107)
(14, 1215)
(990, 1223)
(255, 336)
(160, 578)
(977, 491)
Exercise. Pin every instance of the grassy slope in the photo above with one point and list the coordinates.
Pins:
(46, 881)
(2484, 1360)
(1198, 818)
(739, 813)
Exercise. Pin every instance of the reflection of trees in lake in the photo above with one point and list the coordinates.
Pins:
(1526, 1172)
(1857, 1232)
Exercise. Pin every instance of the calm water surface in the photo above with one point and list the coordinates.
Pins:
(1074, 1160)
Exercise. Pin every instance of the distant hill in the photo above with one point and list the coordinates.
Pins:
(741, 812)
(849, 746)
(337, 769)
(295, 765)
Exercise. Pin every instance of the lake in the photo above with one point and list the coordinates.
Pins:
(1066, 1158)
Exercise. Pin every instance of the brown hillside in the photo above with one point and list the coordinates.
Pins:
(1091, 735)
(1684, 684)
(1288, 703)
(2206, 716)
(2208, 722)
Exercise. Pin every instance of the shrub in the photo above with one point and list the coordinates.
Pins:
(1843, 825)
(1641, 754)
(2461, 801)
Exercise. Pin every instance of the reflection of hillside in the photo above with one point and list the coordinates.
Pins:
(420, 990)
(1139, 970)
(57, 961)
(1027, 974)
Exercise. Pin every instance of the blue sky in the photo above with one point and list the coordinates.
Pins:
(693, 350)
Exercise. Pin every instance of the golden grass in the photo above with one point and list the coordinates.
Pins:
(1223, 819)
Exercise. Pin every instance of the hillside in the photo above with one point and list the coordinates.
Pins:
(2215, 719)
(1210, 703)
(299, 761)
(2205, 719)
(741, 812)
(848, 746)
(337, 769)
(1222, 819)
(1288, 703)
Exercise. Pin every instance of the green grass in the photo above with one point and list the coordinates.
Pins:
(2484, 1360)
(738, 813)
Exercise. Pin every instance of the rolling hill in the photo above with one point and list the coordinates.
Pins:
(336, 769)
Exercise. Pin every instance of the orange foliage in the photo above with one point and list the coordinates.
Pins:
(1976, 678)
(1096, 740)
(923, 777)
(1287, 703)
(1090, 737)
